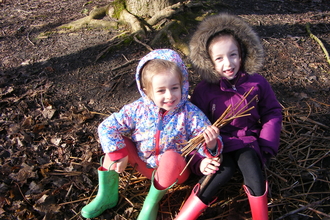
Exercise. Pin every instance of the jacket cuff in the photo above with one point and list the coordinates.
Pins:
(195, 162)
(269, 150)
(119, 154)
(215, 153)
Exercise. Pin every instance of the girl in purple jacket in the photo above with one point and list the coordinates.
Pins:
(226, 52)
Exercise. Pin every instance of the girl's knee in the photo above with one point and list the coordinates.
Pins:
(172, 158)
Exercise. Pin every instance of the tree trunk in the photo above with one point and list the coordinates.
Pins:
(147, 8)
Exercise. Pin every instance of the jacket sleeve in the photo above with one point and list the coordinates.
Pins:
(217, 151)
(112, 129)
(197, 123)
(271, 120)
(195, 160)
(119, 154)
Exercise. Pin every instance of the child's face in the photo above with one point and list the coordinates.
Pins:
(166, 90)
(225, 56)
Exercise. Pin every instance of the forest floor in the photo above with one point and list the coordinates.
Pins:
(54, 92)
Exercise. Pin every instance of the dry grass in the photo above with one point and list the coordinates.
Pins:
(298, 177)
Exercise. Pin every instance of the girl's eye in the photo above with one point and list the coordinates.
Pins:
(176, 87)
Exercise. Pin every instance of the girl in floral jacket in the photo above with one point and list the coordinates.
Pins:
(150, 133)
(226, 52)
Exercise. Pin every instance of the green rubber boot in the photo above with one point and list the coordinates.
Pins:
(151, 203)
(107, 195)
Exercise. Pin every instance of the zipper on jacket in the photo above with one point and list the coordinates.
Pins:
(157, 135)
(213, 110)
(233, 85)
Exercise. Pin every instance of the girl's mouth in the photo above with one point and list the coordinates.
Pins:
(169, 103)
(229, 71)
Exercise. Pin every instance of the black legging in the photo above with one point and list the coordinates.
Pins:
(248, 162)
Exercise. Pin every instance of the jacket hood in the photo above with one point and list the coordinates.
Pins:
(252, 47)
(164, 54)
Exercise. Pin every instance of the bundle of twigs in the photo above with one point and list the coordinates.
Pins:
(227, 116)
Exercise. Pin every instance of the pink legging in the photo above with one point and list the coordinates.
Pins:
(168, 171)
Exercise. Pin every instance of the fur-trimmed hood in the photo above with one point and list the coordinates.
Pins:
(252, 47)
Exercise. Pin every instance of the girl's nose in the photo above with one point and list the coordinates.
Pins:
(226, 61)
(168, 94)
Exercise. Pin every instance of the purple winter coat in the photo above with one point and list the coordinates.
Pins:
(261, 130)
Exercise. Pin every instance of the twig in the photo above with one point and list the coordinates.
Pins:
(64, 173)
(107, 49)
(28, 38)
(325, 155)
(320, 102)
(207, 180)
(78, 200)
(128, 182)
(42, 101)
(125, 64)
(146, 45)
(244, 98)
(304, 118)
(319, 42)
(303, 208)
(76, 215)
(19, 188)
(190, 160)
(318, 212)
(67, 194)
(315, 137)
(95, 188)
(275, 174)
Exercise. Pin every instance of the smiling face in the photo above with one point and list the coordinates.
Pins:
(166, 90)
(225, 55)
(161, 80)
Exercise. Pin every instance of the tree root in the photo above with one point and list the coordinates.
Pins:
(93, 20)
(171, 31)
(137, 26)
(165, 13)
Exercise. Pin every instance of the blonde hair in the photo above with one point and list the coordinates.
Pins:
(154, 67)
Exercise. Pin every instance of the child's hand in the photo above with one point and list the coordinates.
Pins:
(120, 165)
(209, 165)
(211, 135)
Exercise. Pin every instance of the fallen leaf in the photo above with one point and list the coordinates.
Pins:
(56, 141)
(34, 188)
(47, 204)
(48, 112)
(24, 174)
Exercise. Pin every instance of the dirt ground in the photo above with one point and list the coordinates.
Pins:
(55, 91)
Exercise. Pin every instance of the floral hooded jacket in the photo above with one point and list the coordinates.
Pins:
(153, 131)
(261, 130)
